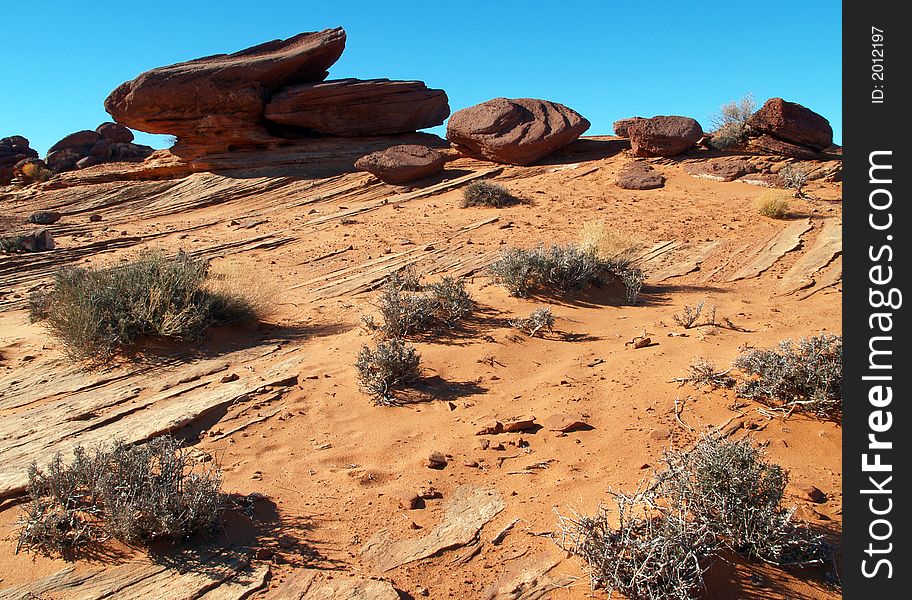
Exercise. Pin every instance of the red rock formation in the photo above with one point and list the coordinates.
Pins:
(401, 164)
(13, 149)
(514, 131)
(622, 126)
(114, 133)
(791, 122)
(639, 176)
(663, 135)
(218, 101)
(354, 107)
(767, 144)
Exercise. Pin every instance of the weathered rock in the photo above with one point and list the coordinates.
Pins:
(516, 424)
(114, 132)
(81, 141)
(638, 175)
(64, 159)
(102, 149)
(401, 164)
(727, 169)
(355, 107)
(810, 493)
(320, 584)
(218, 101)
(564, 423)
(514, 131)
(35, 241)
(663, 135)
(87, 161)
(436, 460)
(622, 127)
(13, 150)
(44, 217)
(121, 151)
(793, 123)
(767, 144)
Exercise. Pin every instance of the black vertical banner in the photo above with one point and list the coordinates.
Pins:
(877, 226)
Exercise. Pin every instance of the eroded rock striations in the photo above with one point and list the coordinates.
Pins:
(514, 131)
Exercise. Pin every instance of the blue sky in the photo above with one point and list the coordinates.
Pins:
(606, 59)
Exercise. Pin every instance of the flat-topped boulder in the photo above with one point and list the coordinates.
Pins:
(516, 131)
(356, 107)
(219, 100)
(401, 164)
(638, 175)
(663, 135)
(793, 123)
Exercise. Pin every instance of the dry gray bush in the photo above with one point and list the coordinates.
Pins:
(485, 193)
(407, 307)
(794, 178)
(386, 369)
(704, 372)
(803, 376)
(137, 494)
(541, 318)
(730, 122)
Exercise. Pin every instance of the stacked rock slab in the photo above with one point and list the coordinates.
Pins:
(108, 143)
(789, 129)
(516, 131)
(401, 164)
(269, 94)
(663, 135)
(13, 150)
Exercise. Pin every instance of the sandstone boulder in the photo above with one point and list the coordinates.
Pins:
(219, 100)
(64, 159)
(792, 122)
(514, 131)
(663, 135)
(44, 217)
(81, 141)
(114, 132)
(621, 128)
(727, 169)
(639, 176)
(767, 144)
(401, 164)
(13, 149)
(355, 107)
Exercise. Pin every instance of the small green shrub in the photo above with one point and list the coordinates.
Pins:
(563, 269)
(99, 312)
(136, 494)
(386, 369)
(802, 376)
(485, 193)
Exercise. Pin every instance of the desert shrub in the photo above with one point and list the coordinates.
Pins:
(806, 375)
(485, 193)
(98, 312)
(794, 178)
(564, 269)
(541, 318)
(137, 494)
(773, 204)
(387, 368)
(653, 553)
(690, 315)
(36, 171)
(703, 373)
(732, 489)
(408, 307)
(595, 237)
(730, 122)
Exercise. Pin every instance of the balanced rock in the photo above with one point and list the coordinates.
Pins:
(400, 164)
(514, 131)
(622, 127)
(663, 135)
(792, 122)
(638, 175)
(13, 150)
(114, 132)
(355, 107)
(219, 100)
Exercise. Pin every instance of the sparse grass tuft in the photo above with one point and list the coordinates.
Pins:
(386, 369)
(802, 376)
(563, 269)
(541, 318)
(137, 494)
(596, 238)
(99, 312)
(485, 193)
(773, 204)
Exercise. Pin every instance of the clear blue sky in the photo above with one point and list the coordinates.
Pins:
(605, 59)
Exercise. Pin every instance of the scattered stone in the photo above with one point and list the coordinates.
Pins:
(471, 463)
(263, 553)
(430, 493)
(660, 433)
(229, 378)
(13, 150)
(44, 217)
(517, 424)
(642, 342)
(638, 175)
(514, 131)
(810, 493)
(663, 135)
(39, 240)
(622, 127)
(564, 423)
(400, 164)
(94, 218)
(411, 501)
(484, 444)
(492, 428)
(355, 107)
(436, 460)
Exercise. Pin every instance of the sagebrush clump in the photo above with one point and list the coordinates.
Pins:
(562, 269)
(731, 121)
(721, 493)
(408, 307)
(134, 493)
(387, 368)
(99, 312)
(485, 193)
(541, 318)
(806, 375)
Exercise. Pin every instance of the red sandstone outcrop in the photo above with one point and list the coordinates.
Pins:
(792, 122)
(663, 135)
(13, 149)
(514, 131)
(401, 164)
